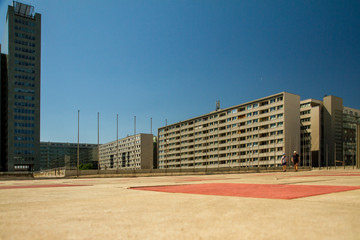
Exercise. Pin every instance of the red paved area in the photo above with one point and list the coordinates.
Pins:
(198, 179)
(42, 186)
(272, 191)
(329, 175)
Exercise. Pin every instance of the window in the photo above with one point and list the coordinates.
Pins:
(304, 105)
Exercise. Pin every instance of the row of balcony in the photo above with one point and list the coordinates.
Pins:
(225, 127)
(190, 124)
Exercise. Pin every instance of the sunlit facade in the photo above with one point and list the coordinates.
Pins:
(20, 89)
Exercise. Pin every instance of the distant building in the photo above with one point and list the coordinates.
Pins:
(128, 153)
(56, 154)
(329, 129)
(310, 128)
(20, 89)
(351, 126)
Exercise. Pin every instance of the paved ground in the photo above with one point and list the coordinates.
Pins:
(255, 206)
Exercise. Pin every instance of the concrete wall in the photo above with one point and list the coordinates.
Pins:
(333, 108)
(166, 172)
(147, 151)
(292, 124)
(51, 173)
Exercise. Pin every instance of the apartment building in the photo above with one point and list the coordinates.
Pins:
(329, 129)
(57, 154)
(128, 153)
(253, 134)
(310, 128)
(351, 126)
(20, 89)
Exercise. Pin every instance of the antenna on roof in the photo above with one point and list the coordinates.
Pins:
(217, 105)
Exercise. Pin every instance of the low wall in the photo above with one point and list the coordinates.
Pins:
(16, 176)
(169, 172)
(50, 173)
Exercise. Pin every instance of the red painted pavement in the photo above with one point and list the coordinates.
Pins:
(42, 186)
(329, 175)
(272, 191)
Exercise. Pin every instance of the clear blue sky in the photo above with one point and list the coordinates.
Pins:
(172, 59)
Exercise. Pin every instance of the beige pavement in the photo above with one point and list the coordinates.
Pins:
(106, 208)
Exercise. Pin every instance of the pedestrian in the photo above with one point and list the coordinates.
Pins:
(283, 162)
(295, 159)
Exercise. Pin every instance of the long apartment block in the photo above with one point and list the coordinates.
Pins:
(253, 134)
(128, 153)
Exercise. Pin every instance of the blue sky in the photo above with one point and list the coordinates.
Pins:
(172, 59)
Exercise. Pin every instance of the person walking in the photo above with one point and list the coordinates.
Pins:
(283, 162)
(295, 159)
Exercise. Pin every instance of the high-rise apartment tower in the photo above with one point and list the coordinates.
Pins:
(20, 89)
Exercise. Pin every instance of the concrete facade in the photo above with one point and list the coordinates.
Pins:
(56, 154)
(351, 121)
(253, 134)
(128, 153)
(20, 90)
(310, 120)
(245, 136)
(333, 133)
(329, 130)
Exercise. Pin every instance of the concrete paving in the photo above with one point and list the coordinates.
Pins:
(107, 208)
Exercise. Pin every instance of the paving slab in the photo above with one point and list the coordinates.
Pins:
(116, 208)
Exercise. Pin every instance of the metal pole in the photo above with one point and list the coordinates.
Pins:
(180, 146)
(344, 155)
(258, 150)
(206, 154)
(229, 150)
(134, 142)
(98, 148)
(303, 153)
(166, 143)
(327, 156)
(150, 125)
(78, 149)
(357, 139)
(274, 153)
(258, 154)
(335, 155)
(218, 144)
(335, 162)
(117, 141)
(194, 144)
(319, 155)
(239, 147)
(310, 152)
